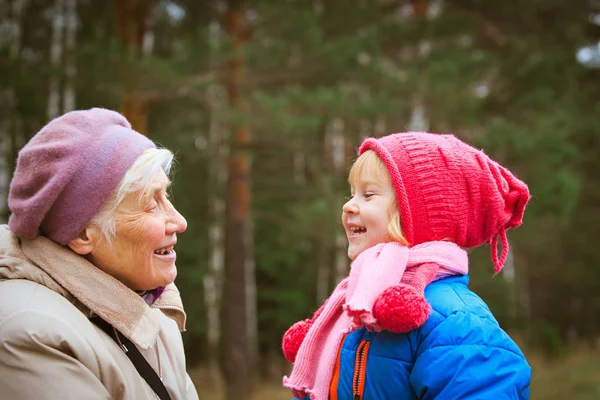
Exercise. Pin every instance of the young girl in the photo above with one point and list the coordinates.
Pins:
(404, 324)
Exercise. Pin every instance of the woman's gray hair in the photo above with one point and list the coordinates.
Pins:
(138, 178)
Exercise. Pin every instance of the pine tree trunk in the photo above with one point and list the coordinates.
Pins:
(56, 54)
(420, 7)
(236, 361)
(131, 18)
(251, 301)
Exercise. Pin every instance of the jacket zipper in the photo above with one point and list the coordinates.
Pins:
(335, 380)
(360, 370)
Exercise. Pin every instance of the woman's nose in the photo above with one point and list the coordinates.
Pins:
(177, 223)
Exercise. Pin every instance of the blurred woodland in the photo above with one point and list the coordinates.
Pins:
(264, 104)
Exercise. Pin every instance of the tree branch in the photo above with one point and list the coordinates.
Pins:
(181, 90)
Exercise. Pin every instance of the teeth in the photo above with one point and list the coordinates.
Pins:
(357, 229)
(164, 251)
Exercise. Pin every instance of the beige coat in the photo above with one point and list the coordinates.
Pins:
(50, 350)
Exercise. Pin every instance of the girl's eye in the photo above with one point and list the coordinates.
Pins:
(367, 195)
(349, 197)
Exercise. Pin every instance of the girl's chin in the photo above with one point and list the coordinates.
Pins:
(355, 250)
(353, 253)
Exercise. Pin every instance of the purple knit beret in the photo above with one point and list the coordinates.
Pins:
(68, 170)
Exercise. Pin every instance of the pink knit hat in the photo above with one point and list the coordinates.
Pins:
(448, 190)
(68, 170)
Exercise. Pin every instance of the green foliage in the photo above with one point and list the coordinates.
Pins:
(550, 340)
(503, 80)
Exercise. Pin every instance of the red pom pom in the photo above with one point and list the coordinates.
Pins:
(401, 309)
(293, 338)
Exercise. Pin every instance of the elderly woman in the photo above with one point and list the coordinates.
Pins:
(88, 308)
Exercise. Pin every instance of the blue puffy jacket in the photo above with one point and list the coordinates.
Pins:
(460, 353)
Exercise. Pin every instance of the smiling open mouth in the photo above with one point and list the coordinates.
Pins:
(164, 251)
(357, 230)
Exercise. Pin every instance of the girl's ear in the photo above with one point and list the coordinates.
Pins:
(84, 243)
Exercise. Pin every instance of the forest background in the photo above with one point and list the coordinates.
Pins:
(264, 104)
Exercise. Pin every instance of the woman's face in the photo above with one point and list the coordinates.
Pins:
(142, 254)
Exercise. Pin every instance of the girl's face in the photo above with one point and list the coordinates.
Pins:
(366, 215)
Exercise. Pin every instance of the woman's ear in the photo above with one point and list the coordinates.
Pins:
(84, 243)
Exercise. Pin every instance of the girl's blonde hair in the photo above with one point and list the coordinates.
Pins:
(371, 161)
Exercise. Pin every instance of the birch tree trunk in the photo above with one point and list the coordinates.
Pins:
(11, 129)
(213, 279)
(5, 20)
(524, 291)
(236, 361)
(16, 13)
(299, 162)
(4, 177)
(71, 22)
(418, 119)
(519, 296)
(327, 242)
(380, 127)
(56, 53)
(338, 156)
(509, 275)
(148, 39)
(324, 270)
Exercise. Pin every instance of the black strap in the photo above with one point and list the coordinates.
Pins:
(139, 362)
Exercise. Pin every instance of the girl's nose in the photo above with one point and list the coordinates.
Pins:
(350, 207)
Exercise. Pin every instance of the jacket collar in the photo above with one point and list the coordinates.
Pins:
(87, 287)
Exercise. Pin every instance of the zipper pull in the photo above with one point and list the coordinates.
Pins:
(356, 396)
(125, 349)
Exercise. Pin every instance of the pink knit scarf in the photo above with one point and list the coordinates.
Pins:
(350, 305)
